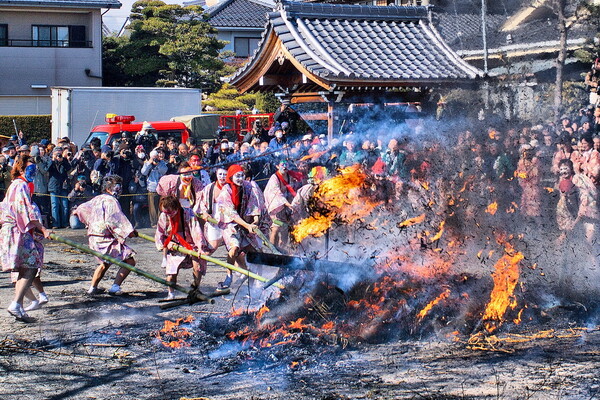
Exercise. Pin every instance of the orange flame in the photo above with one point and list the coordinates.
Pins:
(412, 221)
(549, 189)
(263, 310)
(438, 235)
(492, 208)
(173, 335)
(342, 196)
(506, 276)
(444, 295)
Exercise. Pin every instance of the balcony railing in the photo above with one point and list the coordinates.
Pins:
(45, 43)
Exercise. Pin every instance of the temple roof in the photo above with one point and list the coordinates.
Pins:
(339, 46)
(240, 13)
(64, 3)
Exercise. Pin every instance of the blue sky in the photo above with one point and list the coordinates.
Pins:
(114, 19)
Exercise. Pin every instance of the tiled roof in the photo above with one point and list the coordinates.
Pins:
(462, 31)
(63, 3)
(240, 13)
(366, 43)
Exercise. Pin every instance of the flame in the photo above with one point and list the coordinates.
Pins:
(506, 276)
(492, 208)
(342, 197)
(442, 296)
(549, 189)
(521, 174)
(263, 310)
(173, 335)
(412, 221)
(438, 235)
(314, 155)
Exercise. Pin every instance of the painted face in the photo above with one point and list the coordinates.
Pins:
(116, 190)
(30, 172)
(169, 212)
(238, 178)
(564, 171)
(282, 168)
(221, 175)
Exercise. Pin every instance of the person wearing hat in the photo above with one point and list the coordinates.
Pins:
(145, 138)
(11, 154)
(82, 192)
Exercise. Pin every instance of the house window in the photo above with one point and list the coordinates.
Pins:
(3, 35)
(244, 47)
(58, 36)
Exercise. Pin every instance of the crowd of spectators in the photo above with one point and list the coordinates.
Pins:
(520, 163)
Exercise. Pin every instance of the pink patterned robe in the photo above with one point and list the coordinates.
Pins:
(277, 195)
(191, 232)
(207, 204)
(253, 204)
(171, 185)
(107, 226)
(20, 246)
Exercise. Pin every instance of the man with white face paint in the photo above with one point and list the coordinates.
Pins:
(108, 228)
(279, 194)
(242, 208)
(207, 207)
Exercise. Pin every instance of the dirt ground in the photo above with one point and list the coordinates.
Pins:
(105, 348)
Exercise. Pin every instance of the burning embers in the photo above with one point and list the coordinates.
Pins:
(175, 335)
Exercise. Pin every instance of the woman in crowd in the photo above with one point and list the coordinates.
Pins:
(20, 241)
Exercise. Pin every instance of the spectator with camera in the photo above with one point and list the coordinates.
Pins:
(139, 200)
(125, 169)
(153, 170)
(5, 177)
(103, 166)
(42, 163)
(58, 187)
(81, 193)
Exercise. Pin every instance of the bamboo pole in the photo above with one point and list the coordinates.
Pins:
(123, 264)
(213, 260)
(257, 231)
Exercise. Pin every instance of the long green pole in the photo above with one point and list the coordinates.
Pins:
(257, 231)
(123, 264)
(183, 250)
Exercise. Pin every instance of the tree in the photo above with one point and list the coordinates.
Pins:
(568, 14)
(168, 45)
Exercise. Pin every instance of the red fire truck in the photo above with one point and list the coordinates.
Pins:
(117, 124)
(235, 127)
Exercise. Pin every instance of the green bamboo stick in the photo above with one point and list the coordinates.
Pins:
(120, 263)
(213, 260)
(257, 231)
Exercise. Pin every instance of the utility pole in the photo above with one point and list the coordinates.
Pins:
(486, 85)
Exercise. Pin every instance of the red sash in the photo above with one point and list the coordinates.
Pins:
(175, 232)
(286, 184)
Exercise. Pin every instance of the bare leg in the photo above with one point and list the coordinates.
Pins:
(199, 269)
(99, 274)
(37, 284)
(171, 279)
(123, 272)
(23, 284)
